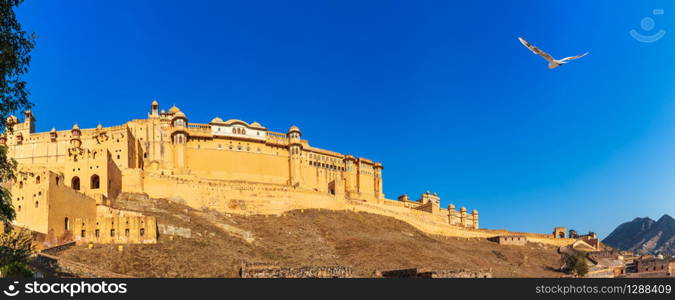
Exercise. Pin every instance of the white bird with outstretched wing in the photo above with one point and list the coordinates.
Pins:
(552, 62)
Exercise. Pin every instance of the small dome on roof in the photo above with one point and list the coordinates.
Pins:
(99, 126)
(173, 110)
(179, 114)
(294, 129)
(12, 119)
(53, 130)
(256, 124)
(475, 212)
(163, 112)
(234, 121)
(154, 102)
(76, 127)
(217, 120)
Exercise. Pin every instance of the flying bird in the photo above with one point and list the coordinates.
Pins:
(552, 62)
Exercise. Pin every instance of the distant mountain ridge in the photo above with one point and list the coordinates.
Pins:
(645, 236)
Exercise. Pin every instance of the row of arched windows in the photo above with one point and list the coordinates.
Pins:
(94, 183)
(327, 166)
(179, 122)
(238, 130)
(97, 232)
(179, 139)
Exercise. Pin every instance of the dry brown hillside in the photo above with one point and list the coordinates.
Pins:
(218, 244)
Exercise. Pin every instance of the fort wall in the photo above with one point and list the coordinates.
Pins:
(254, 198)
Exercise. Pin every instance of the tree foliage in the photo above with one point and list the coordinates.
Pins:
(15, 47)
(7, 168)
(15, 247)
(575, 264)
(16, 270)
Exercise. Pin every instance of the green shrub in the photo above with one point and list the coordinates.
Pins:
(575, 264)
(16, 270)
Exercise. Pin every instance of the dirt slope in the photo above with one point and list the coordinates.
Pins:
(218, 244)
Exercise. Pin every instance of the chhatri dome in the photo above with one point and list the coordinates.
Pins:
(173, 110)
(294, 128)
(179, 114)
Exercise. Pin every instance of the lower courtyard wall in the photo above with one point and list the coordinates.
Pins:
(116, 230)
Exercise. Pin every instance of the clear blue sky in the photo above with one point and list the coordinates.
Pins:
(441, 93)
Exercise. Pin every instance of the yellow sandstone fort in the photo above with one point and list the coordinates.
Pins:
(68, 180)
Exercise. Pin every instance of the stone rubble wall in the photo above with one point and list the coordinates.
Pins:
(301, 272)
(423, 273)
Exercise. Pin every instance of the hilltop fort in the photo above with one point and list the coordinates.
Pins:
(68, 180)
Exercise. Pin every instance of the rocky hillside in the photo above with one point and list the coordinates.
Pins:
(645, 236)
(199, 243)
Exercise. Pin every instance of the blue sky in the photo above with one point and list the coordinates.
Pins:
(441, 93)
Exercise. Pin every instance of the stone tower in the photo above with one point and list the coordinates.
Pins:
(295, 155)
(179, 136)
(350, 184)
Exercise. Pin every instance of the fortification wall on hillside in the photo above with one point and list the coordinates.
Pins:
(240, 197)
(251, 198)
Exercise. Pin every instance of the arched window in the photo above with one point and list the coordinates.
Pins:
(37, 179)
(75, 183)
(93, 155)
(66, 224)
(95, 181)
(57, 180)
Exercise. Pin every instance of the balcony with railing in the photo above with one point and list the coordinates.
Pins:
(200, 130)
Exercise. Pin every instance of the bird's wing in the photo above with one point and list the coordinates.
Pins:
(536, 50)
(574, 57)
